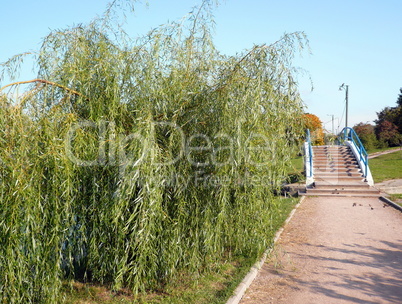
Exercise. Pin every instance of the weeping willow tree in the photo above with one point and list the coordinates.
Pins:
(127, 161)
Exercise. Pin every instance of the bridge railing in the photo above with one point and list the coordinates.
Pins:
(308, 155)
(350, 135)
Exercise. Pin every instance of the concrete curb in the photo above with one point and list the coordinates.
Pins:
(251, 275)
(391, 203)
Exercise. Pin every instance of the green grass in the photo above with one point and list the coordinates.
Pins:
(395, 197)
(386, 167)
(296, 170)
(212, 287)
(297, 164)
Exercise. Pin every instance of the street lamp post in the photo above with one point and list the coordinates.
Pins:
(346, 87)
(333, 130)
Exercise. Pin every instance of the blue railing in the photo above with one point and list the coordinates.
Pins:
(350, 134)
(309, 155)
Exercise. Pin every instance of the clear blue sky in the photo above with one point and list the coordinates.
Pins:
(355, 42)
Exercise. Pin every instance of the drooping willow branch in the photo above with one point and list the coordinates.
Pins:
(43, 81)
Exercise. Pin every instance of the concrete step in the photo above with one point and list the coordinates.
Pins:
(339, 163)
(342, 193)
(336, 166)
(334, 150)
(341, 186)
(330, 170)
(345, 150)
(333, 159)
(328, 167)
(342, 150)
(339, 179)
(318, 171)
(323, 168)
(337, 156)
(329, 147)
(334, 174)
(335, 169)
(322, 152)
(337, 173)
(333, 155)
(339, 191)
(325, 174)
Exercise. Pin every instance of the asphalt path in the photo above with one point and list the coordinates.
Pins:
(334, 250)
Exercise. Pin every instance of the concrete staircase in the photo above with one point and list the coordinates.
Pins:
(337, 173)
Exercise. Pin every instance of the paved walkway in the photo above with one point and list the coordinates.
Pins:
(390, 186)
(376, 154)
(334, 250)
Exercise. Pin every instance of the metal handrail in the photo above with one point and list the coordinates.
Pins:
(350, 134)
(310, 153)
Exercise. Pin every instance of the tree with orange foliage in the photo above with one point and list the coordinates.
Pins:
(314, 124)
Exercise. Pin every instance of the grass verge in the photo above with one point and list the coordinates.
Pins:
(386, 167)
(210, 287)
(396, 198)
(296, 170)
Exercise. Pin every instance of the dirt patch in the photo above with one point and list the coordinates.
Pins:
(335, 250)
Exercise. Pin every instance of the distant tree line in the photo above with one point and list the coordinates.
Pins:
(387, 131)
(314, 124)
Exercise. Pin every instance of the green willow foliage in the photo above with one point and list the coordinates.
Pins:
(129, 161)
